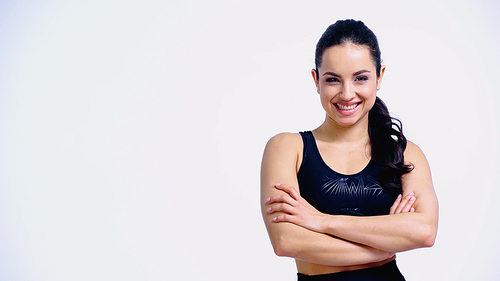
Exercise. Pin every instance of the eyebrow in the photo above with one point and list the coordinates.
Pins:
(336, 75)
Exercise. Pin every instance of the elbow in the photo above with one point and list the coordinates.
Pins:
(280, 252)
(427, 238)
(282, 247)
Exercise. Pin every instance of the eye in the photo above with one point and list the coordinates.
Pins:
(361, 78)
(332, 80)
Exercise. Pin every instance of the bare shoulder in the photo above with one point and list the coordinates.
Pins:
(285, 141)
(414, 154)
(420, 177)
(283, 154)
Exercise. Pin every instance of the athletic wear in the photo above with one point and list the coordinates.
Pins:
(333, 193)
(386, 272)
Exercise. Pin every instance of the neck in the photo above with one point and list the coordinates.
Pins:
(330, 131)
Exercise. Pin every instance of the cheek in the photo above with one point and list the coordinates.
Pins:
(326, 94)
(370, 95)
(324, 99)
(368, 91)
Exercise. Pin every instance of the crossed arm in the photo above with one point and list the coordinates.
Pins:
(298, 230)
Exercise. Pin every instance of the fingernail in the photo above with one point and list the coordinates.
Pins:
(274, 219)
(278, 184)
(413, 198)
(399, 196)
(410, 194)
(412, 210)
(269, 210)
(268, 199)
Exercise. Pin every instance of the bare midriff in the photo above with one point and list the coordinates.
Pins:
(315, 269)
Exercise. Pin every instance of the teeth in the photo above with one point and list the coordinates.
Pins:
(343, 107)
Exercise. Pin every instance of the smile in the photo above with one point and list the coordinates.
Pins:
(346, 107)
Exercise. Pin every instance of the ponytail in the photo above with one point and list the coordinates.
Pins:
(386, 133)
(388, 145)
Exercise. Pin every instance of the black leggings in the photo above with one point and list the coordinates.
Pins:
(386, 272)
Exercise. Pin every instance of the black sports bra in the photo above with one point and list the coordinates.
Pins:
(333, 193)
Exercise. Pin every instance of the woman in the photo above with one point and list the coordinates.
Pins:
(343, 199)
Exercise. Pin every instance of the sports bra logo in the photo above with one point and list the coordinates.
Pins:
(351, 187)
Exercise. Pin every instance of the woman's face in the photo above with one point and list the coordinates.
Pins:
(347, 83)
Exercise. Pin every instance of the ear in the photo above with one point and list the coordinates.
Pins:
(379, 79)
(316, 81)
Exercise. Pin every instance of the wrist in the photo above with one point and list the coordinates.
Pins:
(328, 223)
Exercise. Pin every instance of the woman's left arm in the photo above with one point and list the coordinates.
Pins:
(392, 233)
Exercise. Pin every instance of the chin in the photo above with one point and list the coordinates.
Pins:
(349, 122)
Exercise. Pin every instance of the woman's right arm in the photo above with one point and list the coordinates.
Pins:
(280, 165)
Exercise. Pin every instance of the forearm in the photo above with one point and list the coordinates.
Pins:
(403, 231)
(280, 165)
(391, 233)
(302, 244)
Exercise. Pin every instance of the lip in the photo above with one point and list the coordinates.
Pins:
(347, 108)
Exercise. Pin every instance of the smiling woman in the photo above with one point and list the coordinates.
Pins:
(348, 83)
(344, 198)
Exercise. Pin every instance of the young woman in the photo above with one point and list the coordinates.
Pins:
(344, 198)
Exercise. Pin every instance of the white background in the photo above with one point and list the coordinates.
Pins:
(131, 134)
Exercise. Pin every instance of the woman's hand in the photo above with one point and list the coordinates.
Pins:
(295, 209)
(403, 205)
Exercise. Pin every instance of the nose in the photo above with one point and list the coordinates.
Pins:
(347, 92)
